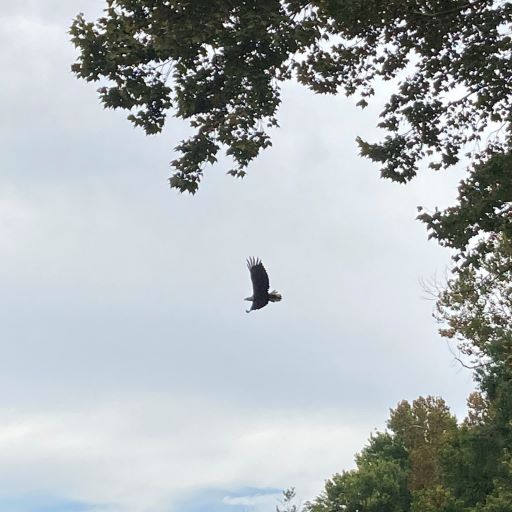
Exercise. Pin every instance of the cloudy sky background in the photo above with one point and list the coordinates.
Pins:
(130, 377)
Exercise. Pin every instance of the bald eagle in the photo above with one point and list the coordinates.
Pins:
(260, 285)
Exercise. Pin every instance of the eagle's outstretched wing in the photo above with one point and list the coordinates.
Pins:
(260, 282)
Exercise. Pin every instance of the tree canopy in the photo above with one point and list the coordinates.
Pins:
(475, 311)
(220, 65)
(481, 223)
(427, 462)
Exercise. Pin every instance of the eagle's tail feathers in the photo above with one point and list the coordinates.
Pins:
(274, 296)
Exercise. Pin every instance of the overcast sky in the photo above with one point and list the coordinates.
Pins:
(131, 379)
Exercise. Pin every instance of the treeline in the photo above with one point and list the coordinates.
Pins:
(425, 461)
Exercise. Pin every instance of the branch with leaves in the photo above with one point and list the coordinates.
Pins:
(220, 65)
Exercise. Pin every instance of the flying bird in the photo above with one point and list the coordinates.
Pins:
(260, 285)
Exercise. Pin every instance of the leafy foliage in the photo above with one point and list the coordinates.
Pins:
(377, 487)
(500, 500)
(426, 462)
(435, 499)
(390, 473)
(482, 219)
(220, 65)
(475, 310)
(449, 466)
(216, 64)
(424, 427)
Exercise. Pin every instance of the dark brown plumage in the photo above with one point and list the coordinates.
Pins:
(260, 285)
